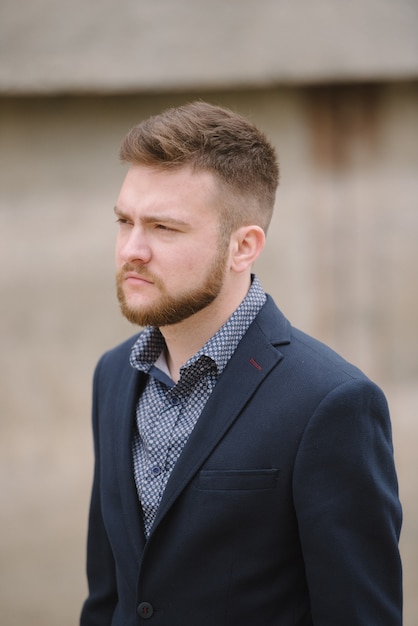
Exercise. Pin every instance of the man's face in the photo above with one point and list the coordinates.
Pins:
(169, 256)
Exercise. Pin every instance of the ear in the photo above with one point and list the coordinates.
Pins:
(246, 245)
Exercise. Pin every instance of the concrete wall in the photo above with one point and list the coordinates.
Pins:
(341, 262)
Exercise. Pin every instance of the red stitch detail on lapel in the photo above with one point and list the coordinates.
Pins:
(254, 362)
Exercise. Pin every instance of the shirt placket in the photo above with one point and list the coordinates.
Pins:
(159, 444)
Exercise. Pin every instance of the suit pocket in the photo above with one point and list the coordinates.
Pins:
(238, 480)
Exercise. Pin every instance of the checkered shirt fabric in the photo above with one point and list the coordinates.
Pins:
(166, 412)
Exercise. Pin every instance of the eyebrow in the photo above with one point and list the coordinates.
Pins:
(153, 219)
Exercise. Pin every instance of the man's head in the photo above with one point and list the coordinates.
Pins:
(192, 211)
(209, 138)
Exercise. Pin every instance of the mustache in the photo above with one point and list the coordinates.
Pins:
(137, 268)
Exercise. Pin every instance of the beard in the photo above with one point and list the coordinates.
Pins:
(171, 309)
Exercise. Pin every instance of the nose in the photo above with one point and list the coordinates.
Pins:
(132, 246)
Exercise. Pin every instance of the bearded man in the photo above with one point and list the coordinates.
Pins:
(244, 472)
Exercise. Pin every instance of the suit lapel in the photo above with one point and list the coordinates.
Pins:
(252, 361)
(124, 421)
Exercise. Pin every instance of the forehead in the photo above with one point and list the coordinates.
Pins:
(179, 189)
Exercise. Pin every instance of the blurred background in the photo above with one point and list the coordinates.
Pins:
(335, 86)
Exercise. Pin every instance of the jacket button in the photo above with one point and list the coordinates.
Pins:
(145, 610)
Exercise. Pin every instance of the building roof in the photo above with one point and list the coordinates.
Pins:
(112, 46)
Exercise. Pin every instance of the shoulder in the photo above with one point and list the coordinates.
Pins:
(305, 360)
(321, 356)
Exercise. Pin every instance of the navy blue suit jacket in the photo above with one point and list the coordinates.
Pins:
(281, 511)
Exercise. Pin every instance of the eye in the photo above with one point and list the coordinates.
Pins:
(165, 228)
(121, 221)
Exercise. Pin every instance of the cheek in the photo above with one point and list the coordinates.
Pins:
(199, 260)
(186, 270)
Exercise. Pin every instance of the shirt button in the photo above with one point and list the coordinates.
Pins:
(145, 610)
(156, 470)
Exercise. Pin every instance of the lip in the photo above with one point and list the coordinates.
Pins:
(133, 277)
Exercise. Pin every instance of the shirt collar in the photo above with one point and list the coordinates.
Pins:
(224, 342)
(220, 347)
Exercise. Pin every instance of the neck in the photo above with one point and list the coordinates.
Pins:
(186, 338)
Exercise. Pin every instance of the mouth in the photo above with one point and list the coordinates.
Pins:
(135, 278)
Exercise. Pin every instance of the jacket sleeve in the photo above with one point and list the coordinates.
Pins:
(100, 604)
(348, 511)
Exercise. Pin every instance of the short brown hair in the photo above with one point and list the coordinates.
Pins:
(211, 138)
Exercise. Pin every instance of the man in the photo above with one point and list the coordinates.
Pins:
(244, 473)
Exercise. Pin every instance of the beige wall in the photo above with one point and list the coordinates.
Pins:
(341, 262)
